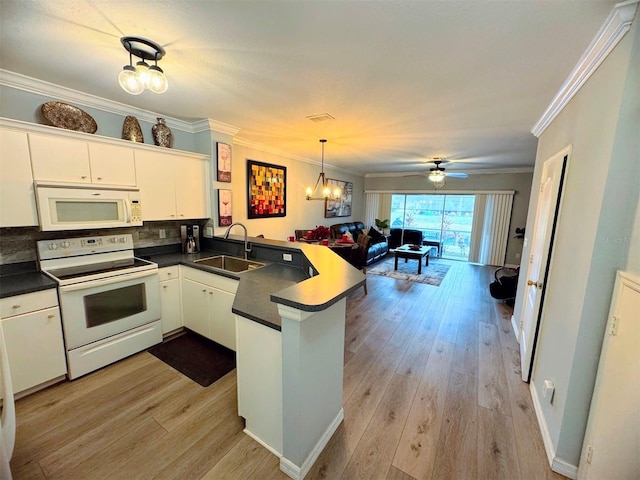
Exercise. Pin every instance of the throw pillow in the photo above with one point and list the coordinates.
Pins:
(376, 236)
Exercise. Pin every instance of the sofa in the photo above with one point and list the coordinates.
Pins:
(396, 239)
(378, 247)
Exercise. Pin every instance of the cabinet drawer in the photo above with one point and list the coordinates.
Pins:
(28, 302)
(169, 273)
(211, 279)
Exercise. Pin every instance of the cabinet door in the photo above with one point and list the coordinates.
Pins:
(17, 198)
(191, 176)
(34, 347)
(223, 322)
(154, 173)
(170, 305)
(112, 164)
(59, 159)
(195, 307)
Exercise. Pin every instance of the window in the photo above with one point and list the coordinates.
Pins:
(442, 218)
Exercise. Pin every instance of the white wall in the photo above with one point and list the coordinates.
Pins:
(594, 237)
(301, 214)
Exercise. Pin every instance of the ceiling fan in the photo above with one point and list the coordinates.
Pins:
(437, 174)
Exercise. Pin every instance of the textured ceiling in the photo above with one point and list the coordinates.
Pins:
(405, 80)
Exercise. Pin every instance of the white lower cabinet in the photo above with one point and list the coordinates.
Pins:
(207, 299)
(170, 299)
(32, 330)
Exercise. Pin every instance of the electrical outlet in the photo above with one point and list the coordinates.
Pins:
(208, 232)
(163, 233)
(287, 257)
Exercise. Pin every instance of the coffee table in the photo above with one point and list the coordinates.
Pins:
(407, 253)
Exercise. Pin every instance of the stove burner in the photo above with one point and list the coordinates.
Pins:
(79, 271)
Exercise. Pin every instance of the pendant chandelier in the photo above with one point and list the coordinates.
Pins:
(135, 79)
(327, 193)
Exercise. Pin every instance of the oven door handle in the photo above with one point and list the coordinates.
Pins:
(108, 281)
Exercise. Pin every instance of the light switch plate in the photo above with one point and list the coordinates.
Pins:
(548, 390)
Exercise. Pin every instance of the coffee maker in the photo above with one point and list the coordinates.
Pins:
(190, 237)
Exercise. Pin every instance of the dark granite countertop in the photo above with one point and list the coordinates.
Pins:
(260, 290)
(18, 279)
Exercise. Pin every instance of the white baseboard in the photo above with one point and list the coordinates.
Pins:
(298, 473)
(556, 464)
(265, 445)
(565, 468)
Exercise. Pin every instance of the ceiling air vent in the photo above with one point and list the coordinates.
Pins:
(322, 117)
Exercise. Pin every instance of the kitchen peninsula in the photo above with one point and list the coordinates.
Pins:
(290, 318)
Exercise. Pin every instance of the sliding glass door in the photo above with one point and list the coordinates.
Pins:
(445, 219)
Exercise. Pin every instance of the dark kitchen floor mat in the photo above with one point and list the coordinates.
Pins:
(197, 357)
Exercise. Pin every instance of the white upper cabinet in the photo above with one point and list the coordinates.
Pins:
(172, 186)
(17, 200)
(112, 164)
(61, 159)
(191, 188)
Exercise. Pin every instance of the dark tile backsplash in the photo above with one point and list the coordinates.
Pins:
(18, 244)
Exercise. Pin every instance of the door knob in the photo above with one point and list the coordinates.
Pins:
(531, 283)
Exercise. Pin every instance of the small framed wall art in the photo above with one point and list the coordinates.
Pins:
(339, 207)
(266, 189)
(224, 207)
(223, 152)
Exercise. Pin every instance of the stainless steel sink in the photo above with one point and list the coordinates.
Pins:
(231, 264)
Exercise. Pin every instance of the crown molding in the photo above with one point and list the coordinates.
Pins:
(444, 191)
(485, 171)
(611, 32)
(40, 87)
(209, 124)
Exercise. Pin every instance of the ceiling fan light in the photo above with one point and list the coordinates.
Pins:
(436, 176)
(129, 81)
(157, 81)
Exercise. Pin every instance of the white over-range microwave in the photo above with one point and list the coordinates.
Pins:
(80, 207)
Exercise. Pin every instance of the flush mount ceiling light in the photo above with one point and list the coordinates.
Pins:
(134, 80)
(322, 180)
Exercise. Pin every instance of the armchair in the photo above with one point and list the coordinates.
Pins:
(397, 238)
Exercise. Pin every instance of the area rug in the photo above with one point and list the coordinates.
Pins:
(431, 275)
(196, 357)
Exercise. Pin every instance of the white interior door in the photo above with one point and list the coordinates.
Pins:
(611, 447)
(547, 211)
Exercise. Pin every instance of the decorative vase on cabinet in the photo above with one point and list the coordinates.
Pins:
(161, 134)
(131, 130)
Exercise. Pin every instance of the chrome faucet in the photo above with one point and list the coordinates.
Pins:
(247, 248)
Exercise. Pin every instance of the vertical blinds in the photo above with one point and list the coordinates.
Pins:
(492, 216)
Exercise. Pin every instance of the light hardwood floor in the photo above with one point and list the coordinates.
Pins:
(431, 391)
